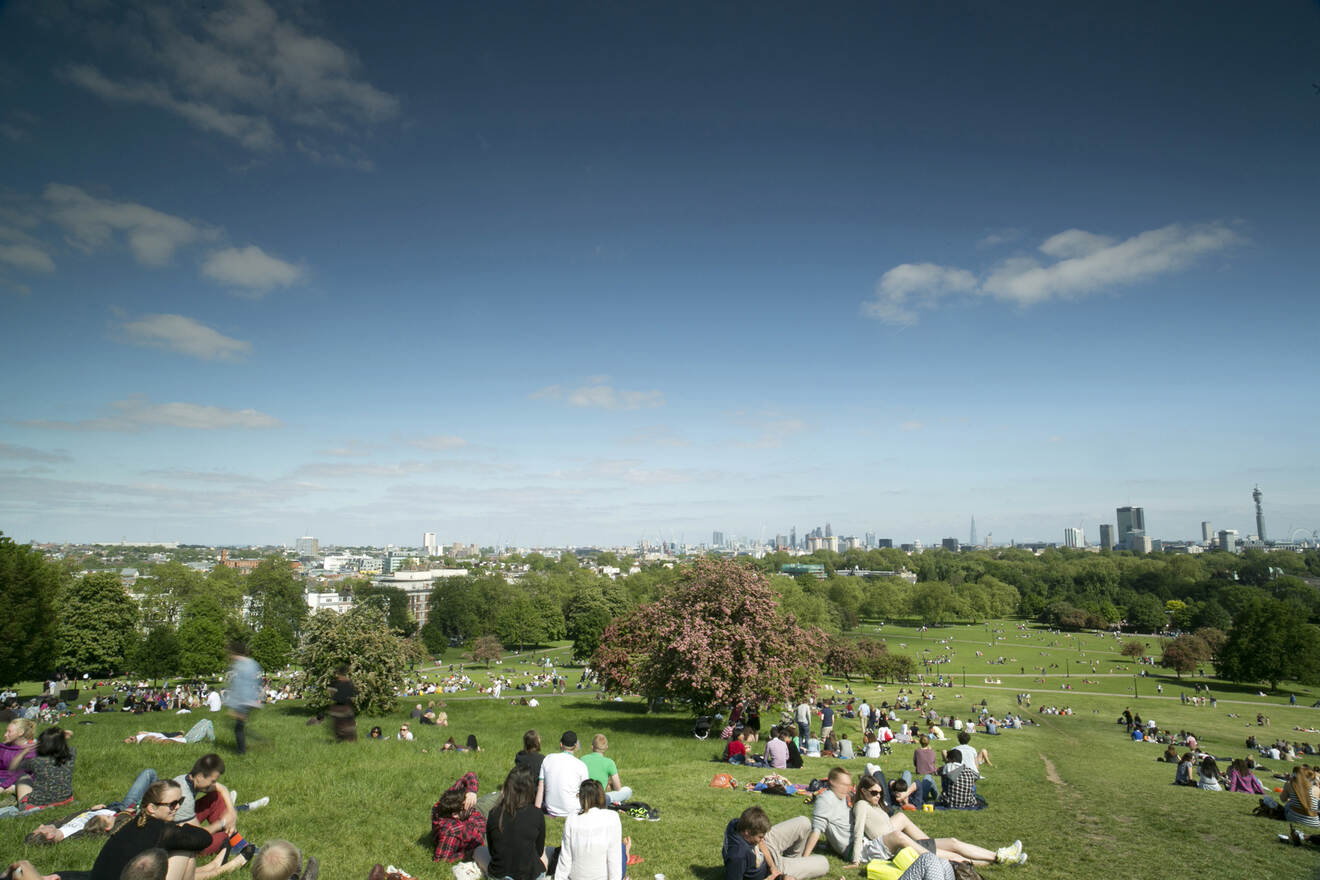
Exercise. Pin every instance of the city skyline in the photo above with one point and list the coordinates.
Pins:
(551, 276)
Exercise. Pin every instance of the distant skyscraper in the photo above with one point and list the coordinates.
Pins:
(886, 543)
(792, 538)
(1075, 538)
(717, 539)
(1207, 532)
(870, 540)
(971, 538)
(1260, 516)
(1139, 543)
(829, 532)
(428, 541)
(1106, 536)
(1130, 519)
(1228, 540)
(308, 546)
(950, 544)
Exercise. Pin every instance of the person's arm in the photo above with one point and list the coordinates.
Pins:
(810, 846)
(614, 782)
(565, 866)
(771, 869)
(540, 794)
(540, 839)
(858, 833)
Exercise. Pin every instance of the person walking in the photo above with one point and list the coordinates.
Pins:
(244, 693)
(342, 695)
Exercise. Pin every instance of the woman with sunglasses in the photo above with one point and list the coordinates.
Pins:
(153, 828)
(879, 835)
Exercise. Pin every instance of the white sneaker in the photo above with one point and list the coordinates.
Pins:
(258, 803)
(1022, 859)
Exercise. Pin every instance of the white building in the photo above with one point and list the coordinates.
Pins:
(428, 541)
(1074, 538)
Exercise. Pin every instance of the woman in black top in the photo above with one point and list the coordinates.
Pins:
(516, 831)
(530, 757)
(153, 827)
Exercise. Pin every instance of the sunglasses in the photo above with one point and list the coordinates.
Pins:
(170, 805)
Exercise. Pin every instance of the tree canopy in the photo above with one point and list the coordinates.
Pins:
(97, 623)
(717, 636)
(29, 592)
(362, 640)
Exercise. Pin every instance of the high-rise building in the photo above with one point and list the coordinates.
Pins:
(1139, 543)
(829, 532)
(1260, 516)
(1207, 533)
(717, 539)
(792, 538)
(1228, 539)
(971, 538)
(1106, 536)
(1130, 519)
(428, 541)
(307, 546)
(885, 543)
(950, 544)
(1074, 538)
(851, 543)
(870, 540)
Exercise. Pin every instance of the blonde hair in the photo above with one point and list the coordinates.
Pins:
(599, 743)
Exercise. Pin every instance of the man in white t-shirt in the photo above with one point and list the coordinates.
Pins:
(213, 701)
(561, 775)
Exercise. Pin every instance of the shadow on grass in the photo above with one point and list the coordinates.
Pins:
(707, 872)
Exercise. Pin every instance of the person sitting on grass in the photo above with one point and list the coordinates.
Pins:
(18, 744)
(530, 756)
(154, 827)
(281, 860)
(207, 803)
(877, 835)
(605, 771)
(736, 750)
(202, 730)
(1242, 778)
(47, 779)
(457, 826)
(515, 834)
(970, 756)
(593, 846)
(754, 850)
(1183, 775)
(959, 785)
(1303, 790)
(1208, 777)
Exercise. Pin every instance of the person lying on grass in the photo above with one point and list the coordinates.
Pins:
(457, 826)
(202, 730)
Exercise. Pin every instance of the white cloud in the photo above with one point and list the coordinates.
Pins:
(92, 223)
(909, 286)
(601, 396)
(253, 132)
(184, 335)
(998, 237)
(1090, 262)
(1085, 262)
(438, 442)
(27, 453)
(912, 426)
(658, 435)
(138, 413)
(250, 268)
(239, 68)
(771, 428)
(26, 256)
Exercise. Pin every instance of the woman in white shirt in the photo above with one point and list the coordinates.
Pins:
(594, 847)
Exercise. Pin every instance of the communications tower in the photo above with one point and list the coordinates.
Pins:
(1260, 516)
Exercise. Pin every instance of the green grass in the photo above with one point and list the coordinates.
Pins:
(1085, 801)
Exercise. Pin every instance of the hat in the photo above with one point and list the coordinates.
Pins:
(568, 740)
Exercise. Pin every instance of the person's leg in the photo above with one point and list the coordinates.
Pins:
(209, 809)
(617, 797)
(135, 791)
(969, 851)
(202, 730)
(240, 733)
(481, 855)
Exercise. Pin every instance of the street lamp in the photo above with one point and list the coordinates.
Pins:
(964, 676)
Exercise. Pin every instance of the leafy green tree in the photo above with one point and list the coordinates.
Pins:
(718, 636)
(1184, 653)
(29, 592)
(1146, 614)
(277, 597)
(487, 649)
(165, 591)
(1269, 642)
(97, 624)
(156, 655)
(271, 647)
(587, 616)
(362, 640)
(1133, 648)
(934, 602)
(392, 600)
(203, 637)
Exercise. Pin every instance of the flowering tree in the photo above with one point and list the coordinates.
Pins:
(717, 636)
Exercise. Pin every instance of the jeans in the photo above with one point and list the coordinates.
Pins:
(618, 797)
(202, 730)
(923, 791)
(135, 791)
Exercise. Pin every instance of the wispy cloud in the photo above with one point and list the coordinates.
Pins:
(250, 268)
(438, 442)
(1083, 263)
(91, 223)
(239, 69)
(137, 413)
(601, 396)
(912, 426)
(771, 428)
(999, 237)
(27, 453)
(633, 472)
(184, 335)
(655, 435)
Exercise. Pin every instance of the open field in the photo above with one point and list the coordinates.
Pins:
(1085, 800)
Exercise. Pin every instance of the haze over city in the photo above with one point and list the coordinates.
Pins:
(576, 274)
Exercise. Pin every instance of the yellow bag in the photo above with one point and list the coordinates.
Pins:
(878, 869)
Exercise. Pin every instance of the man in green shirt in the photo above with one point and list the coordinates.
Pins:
(605, 771)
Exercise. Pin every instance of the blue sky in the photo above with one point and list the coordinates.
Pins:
(539, 274)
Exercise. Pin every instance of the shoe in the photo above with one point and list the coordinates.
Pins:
(1010, 854)
(1022, 859)
(258, 803)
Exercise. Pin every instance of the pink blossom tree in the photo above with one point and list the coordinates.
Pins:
(717, 636)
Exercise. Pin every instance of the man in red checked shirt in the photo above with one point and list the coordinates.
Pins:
(456, 823)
